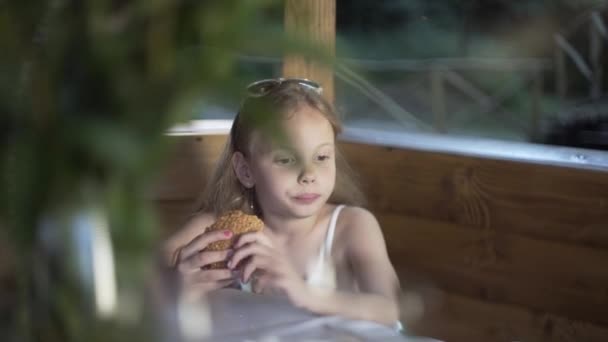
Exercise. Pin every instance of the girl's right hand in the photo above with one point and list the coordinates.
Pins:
(191, 262)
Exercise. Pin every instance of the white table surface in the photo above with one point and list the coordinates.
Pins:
(234, 315)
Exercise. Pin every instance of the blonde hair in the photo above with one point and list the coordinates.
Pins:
(224, 191)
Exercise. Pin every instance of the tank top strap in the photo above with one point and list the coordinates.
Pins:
(331, 230)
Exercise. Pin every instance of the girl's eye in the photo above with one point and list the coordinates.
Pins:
(323, 158)
(285, 160)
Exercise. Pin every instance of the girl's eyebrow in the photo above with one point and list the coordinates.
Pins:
(283, 148)
(325, 144)
(292, 150)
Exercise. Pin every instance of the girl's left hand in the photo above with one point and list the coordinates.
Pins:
(270, 268)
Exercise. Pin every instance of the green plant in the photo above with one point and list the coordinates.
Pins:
(87, 89)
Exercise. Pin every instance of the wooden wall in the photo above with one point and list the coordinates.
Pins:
(502, 251)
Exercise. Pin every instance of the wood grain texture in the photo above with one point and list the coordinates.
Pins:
(313, 21)
(504, 268)
(539, 201)
(173, 214)
(189, 167)
(462, 318)
(520, 250)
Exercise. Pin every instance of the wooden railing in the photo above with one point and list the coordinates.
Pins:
(591, 68)
(443, 72)
(447, 73)
(500, 250)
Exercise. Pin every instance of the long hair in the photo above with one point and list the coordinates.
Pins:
(224, 192)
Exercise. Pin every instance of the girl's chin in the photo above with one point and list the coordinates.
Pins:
(303, 210)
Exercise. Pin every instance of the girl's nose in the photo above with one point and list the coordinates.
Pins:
(307, 179)
(307, 176)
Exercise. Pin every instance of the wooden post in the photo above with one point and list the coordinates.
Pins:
(561, 76)
(438, 99)
(595, 51)
(536, 105)
(314, 20)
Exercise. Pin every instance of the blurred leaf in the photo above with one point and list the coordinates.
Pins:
(87, 89)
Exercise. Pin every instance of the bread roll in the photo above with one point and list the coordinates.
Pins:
(239, 223)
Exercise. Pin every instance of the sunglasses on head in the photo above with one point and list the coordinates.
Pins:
(263, 87)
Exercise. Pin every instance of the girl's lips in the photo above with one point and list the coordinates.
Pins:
(306, 198)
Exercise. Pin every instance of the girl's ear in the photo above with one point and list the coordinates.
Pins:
(242, 170)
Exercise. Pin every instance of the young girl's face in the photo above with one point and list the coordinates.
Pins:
(295, 177)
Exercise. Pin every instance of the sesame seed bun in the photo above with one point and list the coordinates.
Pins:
(238, 223)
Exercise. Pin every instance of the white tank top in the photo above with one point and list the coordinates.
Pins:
(321, 272)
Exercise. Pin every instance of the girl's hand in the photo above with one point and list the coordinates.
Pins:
(193, 258)
(268, 267)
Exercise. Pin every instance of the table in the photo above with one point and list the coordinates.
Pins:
(235, 316)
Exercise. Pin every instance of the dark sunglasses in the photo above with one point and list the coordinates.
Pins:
(263, 87)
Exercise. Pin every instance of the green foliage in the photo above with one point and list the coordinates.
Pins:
(87, 89)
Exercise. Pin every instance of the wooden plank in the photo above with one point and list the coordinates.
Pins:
(561, 77)
(438, 101)
(498, 235)
(461, 318)
(536, 105)
(576, 56)
(540, 201)
(502, 267)
(595, 55)
(187, 171)
(173, 214)
(464, 64)
(314, 21)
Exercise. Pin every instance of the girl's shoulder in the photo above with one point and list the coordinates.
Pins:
(353, 217)
(195, 226)
(359, 235)
(356, 224)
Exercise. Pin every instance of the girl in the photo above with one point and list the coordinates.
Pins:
(319, 249)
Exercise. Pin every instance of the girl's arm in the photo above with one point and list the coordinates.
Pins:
(366, 254)
(378, 299)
